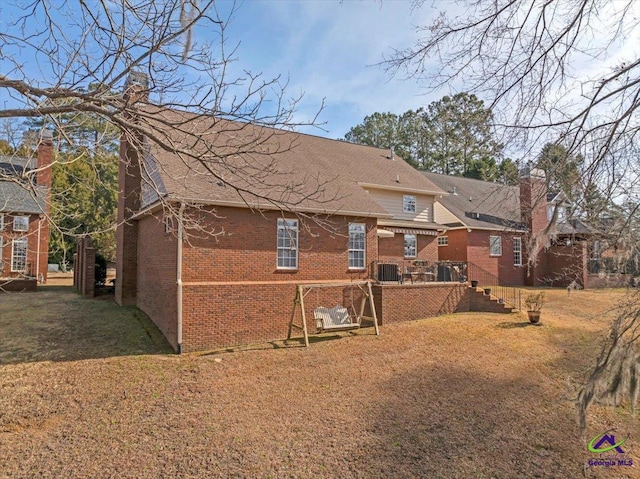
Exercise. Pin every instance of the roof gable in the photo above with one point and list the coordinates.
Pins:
(480, 204)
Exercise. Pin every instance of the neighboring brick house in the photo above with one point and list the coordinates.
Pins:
(495, 227)
(24, 225)
(349, 207)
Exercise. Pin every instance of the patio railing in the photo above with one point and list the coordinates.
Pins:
(510, 295)
(418, 271)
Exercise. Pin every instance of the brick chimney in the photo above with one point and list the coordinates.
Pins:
(43, 179)
(533, 211)
(129, 191)
(45, 155)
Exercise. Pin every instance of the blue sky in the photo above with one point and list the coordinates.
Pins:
(329, 50)
(326, 49)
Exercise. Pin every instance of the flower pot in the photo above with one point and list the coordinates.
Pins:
(474, 284)
(487, 291)
(534, 316)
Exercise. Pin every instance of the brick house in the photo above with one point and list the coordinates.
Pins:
(24, 225)
(214, 259)
(498, 227)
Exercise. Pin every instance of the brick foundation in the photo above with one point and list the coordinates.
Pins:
(18, 285)
(397, 303)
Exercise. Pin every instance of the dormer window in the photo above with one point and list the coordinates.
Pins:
(409, 204)
(561, 214)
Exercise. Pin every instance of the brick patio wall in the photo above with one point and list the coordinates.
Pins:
(406, 302)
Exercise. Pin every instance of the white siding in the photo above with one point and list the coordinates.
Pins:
(443, 215)
(392, 202)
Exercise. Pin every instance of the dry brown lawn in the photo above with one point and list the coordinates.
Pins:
(88, 389)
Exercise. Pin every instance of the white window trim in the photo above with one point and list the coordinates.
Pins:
(26, 254)
(444, 239)
(283, 222)
(1, 224)
(517, 240)
(499, 243)
(363, 250)
(407, 201)
(21, 217)
(415, 255)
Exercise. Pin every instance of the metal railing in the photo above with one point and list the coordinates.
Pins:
(486, 280)
(418, 271)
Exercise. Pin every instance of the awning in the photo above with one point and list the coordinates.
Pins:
(380, 233)
(410, 231)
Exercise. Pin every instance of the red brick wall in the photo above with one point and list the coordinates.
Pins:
(605, 280)
(392, 249)
(567, 264)
(45, 157)
(233, 292)
(247, 250)
(456, 250)
(129, 178)
(17, 285)
(157, 270)
(7, 235)
(533, 206)
(396, 303)
(500, 266)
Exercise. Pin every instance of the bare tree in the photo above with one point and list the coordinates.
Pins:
(176, 58)
(566, 71)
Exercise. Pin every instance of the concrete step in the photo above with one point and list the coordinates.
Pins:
(487, 303)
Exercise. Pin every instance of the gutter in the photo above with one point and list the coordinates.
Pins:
(260, 207)
(179, 276)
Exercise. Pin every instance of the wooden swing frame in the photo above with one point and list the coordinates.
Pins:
(302, 290)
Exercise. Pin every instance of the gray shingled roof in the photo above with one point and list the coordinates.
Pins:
(306, 172)
(20, 198)
(482, 204)
(17, 196)
(572, 227)
(479, 204)
(15, 165)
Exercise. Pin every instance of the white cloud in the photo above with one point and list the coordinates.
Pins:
(330, 50)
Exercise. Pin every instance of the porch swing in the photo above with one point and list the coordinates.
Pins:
(338, 317)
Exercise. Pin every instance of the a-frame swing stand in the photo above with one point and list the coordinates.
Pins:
(334, 319)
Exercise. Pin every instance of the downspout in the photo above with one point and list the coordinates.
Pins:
(179, 276)
(38, 252)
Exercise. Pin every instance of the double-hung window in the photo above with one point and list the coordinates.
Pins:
(287, 243)
(20, 223)
(357, 245)
(19, 255)
(517, 251)
(495, 245)
(409, 204)
(410, 246)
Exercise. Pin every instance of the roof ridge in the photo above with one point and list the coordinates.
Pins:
(466, 178)
(283, 130)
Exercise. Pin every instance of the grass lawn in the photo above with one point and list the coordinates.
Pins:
(89, 389)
